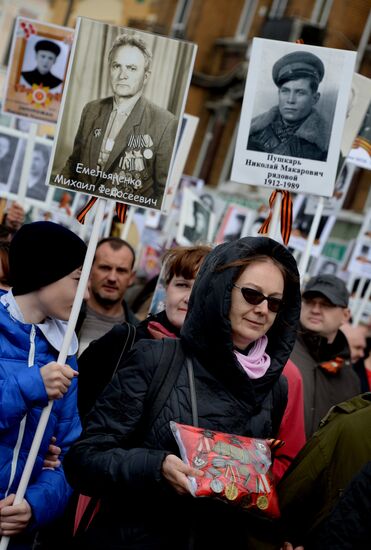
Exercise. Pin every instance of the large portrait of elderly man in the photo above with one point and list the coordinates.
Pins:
(292, 116)
(125, 97)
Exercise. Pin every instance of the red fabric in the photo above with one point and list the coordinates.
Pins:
(292, 430)
(368, 372)
(82, 504)
(236, 469)
(158, 331)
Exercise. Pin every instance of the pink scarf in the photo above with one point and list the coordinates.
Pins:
(257, 362)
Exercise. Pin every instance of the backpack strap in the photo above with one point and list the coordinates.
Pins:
(166, 374)
(128, 344)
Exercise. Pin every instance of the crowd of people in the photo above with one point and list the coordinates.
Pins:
(239, 348)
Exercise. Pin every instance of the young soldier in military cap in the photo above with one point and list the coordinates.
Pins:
(293, 127)
(46, 55)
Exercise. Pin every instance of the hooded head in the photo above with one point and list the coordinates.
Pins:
(207, 330)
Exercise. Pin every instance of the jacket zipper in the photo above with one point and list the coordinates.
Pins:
(17, 448)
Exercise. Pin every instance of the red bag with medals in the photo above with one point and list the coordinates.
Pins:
(236, 468)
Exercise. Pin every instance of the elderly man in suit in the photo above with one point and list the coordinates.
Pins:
(293, 127)
(125, 142)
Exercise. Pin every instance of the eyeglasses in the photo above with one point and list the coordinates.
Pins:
(254, 297)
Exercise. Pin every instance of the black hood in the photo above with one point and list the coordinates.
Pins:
(207, 329)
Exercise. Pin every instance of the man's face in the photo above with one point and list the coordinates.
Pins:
(319, 315)
(45, 60)
(356, 336)
(111, 274)
(4, 147)
(38, 163)
(296, 99)
(127, 71)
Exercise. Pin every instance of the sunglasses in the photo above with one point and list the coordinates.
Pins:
(254, 297)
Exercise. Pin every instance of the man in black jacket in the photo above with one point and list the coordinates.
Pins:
(321, 351)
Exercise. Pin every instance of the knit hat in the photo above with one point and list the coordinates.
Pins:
(42, 253)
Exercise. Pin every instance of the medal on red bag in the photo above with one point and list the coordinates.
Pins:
(231, 490)
(262, 502)
(216, 486)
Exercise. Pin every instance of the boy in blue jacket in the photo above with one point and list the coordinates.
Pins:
(45, 266)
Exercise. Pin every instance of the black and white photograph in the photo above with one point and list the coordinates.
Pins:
(359, 100)
(196, 221)
(37, 187)
(37, 70)
(333, 204)
(360, 154)
(125, 97)
(301, 226)
(360, 262)
(183, 146)
(292, 117)
(235, 224)
(8, 154)
(44, 63)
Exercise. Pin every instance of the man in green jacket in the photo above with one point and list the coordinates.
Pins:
(324, 467)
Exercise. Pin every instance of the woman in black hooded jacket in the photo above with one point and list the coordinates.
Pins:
(135, 468)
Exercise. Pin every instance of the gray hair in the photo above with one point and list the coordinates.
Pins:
(132, 40)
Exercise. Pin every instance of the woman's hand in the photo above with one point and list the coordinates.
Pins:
(51, 460)
(175, 472)
(289, 546)
(13, 519)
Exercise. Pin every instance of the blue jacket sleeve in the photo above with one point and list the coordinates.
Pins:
(19, 391)
(48, 495)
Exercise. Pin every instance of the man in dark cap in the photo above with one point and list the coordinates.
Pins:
(46, 55)
(293, 128)
(45, 262)
(321, 351)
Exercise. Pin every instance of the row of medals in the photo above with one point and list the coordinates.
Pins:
(230, 489)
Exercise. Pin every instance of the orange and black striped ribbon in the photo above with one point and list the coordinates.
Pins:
(286, 215)
(121, 210)
(363, 143)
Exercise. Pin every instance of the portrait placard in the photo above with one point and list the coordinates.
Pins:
(121, 112)
(235, 224)
(359, 100)
(11, 154)
(292, 117)
(360, 261)
(196, 223)
(37, 70)
(301, 228)
(333, 204)
(37, 189)
(360, 154)
(186, 135)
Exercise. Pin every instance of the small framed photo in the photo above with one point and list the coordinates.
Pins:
(235, 224)
(196, 223)
(301, 228)
(11, 152)
(37, 70)
(37, 188)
